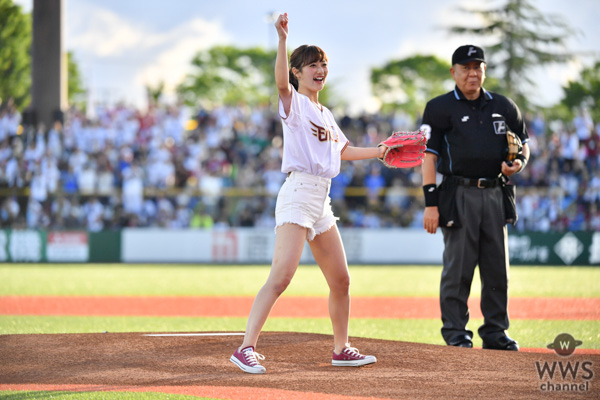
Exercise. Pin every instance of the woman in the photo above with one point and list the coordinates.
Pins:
(313, 147)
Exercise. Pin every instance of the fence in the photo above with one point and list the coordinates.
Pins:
(255, 246)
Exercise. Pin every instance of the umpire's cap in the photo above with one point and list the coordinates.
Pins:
(467, 53)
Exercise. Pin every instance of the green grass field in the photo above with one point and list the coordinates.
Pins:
(218, 280)
(192, 280)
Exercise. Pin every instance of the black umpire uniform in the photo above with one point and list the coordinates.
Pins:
(468, 139)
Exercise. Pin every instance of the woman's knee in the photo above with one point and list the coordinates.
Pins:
(279, 285)
(341, 285)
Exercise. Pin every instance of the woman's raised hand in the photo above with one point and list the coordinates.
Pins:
(282, 26)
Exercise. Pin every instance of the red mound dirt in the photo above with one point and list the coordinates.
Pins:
(298, 367)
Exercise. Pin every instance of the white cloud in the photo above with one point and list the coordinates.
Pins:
(172, 62)
(120, 56)
(565, 73)
(103, 34)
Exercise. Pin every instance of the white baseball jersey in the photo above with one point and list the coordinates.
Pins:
(312, 140)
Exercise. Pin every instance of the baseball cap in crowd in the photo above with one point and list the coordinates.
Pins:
(467, 53)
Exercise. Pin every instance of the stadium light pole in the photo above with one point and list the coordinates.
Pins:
(270, 19)
(49, 63)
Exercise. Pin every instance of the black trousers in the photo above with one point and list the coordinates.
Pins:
(482, 241)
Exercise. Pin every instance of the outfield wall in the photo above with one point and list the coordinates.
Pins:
(255, 246)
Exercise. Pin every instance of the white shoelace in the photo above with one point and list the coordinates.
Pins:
(352, 351)
(251, 357)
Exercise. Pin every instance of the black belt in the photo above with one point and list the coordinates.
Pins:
(481, 183)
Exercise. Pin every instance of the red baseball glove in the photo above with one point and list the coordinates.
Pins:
(404, 149)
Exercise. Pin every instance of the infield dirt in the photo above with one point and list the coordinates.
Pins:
(298, 366)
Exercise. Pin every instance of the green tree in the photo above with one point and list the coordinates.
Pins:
(522, 37)
(409, 83)
(229, 75)
(15, 59)
(154, 93)
(585, 92)
(75, 88)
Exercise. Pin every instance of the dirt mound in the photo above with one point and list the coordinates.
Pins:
(296, 363)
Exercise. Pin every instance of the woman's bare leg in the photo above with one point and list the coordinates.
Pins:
(289, 244)
(328, 251)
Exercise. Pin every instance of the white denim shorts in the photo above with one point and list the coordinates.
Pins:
(304, 200)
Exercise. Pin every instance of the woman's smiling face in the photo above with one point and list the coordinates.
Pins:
(312, 76)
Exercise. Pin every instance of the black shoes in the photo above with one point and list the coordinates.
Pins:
(461, 341)
(502, 343)
(465, 343)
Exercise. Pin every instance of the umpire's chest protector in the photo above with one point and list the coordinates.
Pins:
(469, 137)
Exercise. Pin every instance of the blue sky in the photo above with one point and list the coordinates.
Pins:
(121, 45)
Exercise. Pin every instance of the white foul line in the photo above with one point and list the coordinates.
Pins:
(194, 334)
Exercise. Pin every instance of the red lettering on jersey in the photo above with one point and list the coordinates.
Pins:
(324, 134)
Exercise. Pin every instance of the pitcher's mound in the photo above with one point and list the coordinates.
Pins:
(296, 363)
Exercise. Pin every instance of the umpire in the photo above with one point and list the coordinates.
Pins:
(467, 146)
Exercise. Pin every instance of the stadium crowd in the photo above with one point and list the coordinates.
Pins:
(166, 167)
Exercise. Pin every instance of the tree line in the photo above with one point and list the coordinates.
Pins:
(520, 37)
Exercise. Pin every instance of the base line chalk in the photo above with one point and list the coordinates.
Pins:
(194, 334)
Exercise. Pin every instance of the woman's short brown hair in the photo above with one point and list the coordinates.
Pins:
(302, 56)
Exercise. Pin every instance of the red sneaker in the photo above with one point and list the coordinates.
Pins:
(247, 360)
(350, 357)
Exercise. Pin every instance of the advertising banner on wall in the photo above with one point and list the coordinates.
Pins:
(67, 247)
(32, 246)
(255, 246)
(22, 245)
(553, 248)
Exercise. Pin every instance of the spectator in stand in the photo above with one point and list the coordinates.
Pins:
(9, 211)
(36, 217)
(5, 150)
(38, 187)
(211, 186)
(592, 151)
(273, 178)
(133, 191)
(339, 184)
(105, 183)
(374, 183)
(537, 126)
(87, 178)
(31, 155)
(69, 182)
(50, 172)
(55, 139)
(396, 197)
(10, 121)
(165, 211)
(583, 125)
(15, 173)
(594, 218)
(569, 145)
(93, 211)
(592, 192)
(201, 219)
(77, 160)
